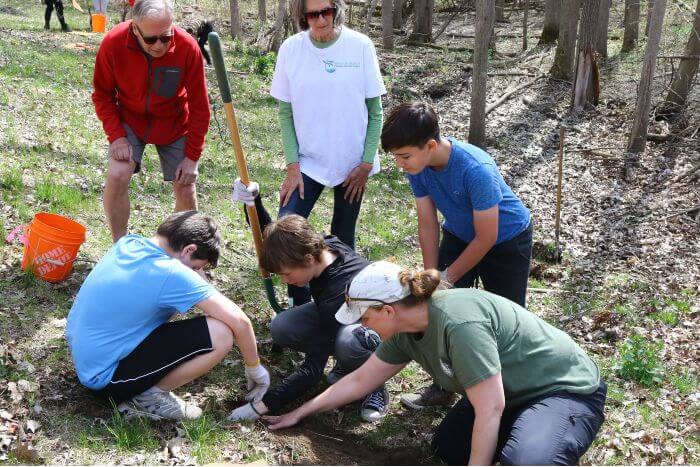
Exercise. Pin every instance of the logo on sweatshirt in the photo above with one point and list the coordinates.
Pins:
(446, 368)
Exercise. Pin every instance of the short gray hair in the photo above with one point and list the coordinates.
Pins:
(296, 8)
(151, 8)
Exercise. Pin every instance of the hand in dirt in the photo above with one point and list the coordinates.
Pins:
(186, 173)
(356, 182)
(120, 149)
(281, 421)
(292, 182)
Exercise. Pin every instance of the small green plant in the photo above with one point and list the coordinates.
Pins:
(12, 180)
(265, 64)
(639, 361)
(686, 382)
(58, 196)
(205, 435)
(130, 435)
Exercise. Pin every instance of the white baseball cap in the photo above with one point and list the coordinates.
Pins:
(376, 284)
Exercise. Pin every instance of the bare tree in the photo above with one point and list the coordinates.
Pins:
(563, 65)
(638, 135)
(278, 28)
(371, 8)
(236, 29)
(631, 25)
(423, 21)
(650, 7)
(400, 13)
(586, 80)
(485, 14)
(550, 28)
(526, 10)
(387, 24)
(501, 11)
(683, 81)
(601, 41)
(262, 10)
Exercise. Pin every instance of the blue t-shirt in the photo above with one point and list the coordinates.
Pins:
(134, 289)
(471, 181)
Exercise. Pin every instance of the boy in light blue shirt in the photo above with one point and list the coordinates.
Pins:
(123, 346)
(487, 230)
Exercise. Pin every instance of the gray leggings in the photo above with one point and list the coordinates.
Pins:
(295, 328)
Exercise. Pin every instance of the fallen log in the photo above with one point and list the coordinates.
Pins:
(510, 93)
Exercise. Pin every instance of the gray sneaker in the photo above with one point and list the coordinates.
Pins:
(375, 406)
(432, 396)
(159, 406)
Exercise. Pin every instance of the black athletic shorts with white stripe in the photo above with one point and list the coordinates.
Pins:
(168, 346)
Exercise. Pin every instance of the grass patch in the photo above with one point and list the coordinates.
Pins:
(131, 435)
(205, 435)
(685, 381)
(12, 180)
(639, 361)
(58, 196)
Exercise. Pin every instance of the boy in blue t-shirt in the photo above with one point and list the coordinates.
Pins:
(487, 231)
(123, 345)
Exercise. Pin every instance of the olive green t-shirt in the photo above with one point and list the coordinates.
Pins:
(473, 334)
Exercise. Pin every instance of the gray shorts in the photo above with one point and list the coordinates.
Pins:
(170, 154)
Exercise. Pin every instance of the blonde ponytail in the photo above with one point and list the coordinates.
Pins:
(422, 284)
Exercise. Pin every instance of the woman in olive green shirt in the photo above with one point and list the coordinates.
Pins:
(533, 396)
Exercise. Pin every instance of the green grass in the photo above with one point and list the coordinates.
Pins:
(685, 382)
(206, 437)
(131, 435)
(58, 197)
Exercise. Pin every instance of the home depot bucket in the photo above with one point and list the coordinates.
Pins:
(52, 244)
(99, 22)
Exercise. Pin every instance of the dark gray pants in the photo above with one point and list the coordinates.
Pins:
(554, 429)
(295, 327)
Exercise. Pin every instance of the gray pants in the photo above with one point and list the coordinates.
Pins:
(295, 328)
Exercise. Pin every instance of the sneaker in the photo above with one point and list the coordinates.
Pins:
(375, 406)
(159, 406)
(336, 374)
(66, 28)
(432, 396)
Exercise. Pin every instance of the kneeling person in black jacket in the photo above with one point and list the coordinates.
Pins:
(300, 255)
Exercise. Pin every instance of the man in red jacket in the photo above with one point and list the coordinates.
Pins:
(149, 88)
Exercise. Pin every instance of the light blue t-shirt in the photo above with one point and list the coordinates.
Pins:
(134, 289)
(471, 181)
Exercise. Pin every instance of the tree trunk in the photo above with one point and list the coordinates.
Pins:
(526, 10)
(563, 65)
(501, 11)
(236, 30)
(586, 87)
(631, 25)
(278, 29)
(423, 21)
(638, 136)
(550, 28)
(650, 7)
(262, 11)
(601, 41)
(387, 24)
(485, 14)
(371, 7)
(683, 81)
(398, 14)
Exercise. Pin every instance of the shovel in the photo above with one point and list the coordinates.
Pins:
(221, 76)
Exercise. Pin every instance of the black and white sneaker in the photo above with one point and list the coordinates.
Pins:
(375, 406)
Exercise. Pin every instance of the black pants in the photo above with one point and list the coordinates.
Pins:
(50, 4)
(554, 429)
(503, 271)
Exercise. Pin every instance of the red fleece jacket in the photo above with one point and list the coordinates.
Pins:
(161, 99)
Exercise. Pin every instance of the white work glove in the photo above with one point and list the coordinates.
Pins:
(243, 413)
(258, 380)
(443, 276)
(245, 194)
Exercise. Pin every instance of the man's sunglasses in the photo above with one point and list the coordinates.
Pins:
(327, 13)
(150, 40)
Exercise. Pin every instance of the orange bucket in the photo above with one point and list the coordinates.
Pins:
(52, 244)
(99, 22)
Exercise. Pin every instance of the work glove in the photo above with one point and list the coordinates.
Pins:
(258, 380)
(245, 194)
(243, 413)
